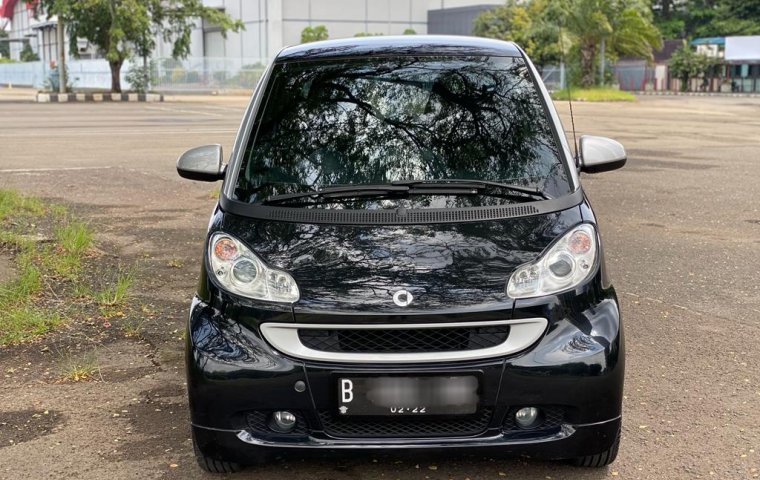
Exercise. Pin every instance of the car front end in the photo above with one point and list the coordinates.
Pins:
(368, 284)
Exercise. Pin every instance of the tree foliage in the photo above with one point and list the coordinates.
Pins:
(529, 24)
(5, 49)
(624, 26)
(123, 28)
(28, 55)
(706, 18)
(314, 34)
(686, 64)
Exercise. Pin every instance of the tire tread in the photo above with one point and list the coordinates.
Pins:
(600, 459)
(212, 465)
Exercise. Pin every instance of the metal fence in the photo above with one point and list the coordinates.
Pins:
(166, 74)
(553, 76)
(28, 74)
(207, 74)
(86, 74)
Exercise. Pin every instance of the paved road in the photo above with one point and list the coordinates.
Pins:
(682, 229)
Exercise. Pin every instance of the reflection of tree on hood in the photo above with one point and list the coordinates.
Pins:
(379, 120)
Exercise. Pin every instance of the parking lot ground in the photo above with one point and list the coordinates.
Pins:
(681, 224)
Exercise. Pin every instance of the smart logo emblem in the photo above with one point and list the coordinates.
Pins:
(402, 298)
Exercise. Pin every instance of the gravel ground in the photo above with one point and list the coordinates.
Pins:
(682, 234)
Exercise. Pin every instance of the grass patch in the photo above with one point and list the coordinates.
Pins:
(14, 204)
(73, 239)
(133, 328)
(26, 321)
(50, 250)
(116, 293)
(77, 368)
(598, 94)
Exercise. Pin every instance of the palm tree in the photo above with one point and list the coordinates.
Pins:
(608, 27)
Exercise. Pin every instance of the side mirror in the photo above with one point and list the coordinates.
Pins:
(600, 154)
(201, 163)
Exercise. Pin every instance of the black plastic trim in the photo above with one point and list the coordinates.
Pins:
(399, 216)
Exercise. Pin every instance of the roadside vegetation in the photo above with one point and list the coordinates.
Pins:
(599, 94)
(58, 275)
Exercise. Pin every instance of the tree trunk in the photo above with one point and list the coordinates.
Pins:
(587, 64)
(116, 75)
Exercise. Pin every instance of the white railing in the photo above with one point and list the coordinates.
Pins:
(191, 74)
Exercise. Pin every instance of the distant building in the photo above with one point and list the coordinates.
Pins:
(741, 55)
(455, 20)
(271, 25)
(40, 33)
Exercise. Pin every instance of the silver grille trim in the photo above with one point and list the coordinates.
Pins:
(283, 337)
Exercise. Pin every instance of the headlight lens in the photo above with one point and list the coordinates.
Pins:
(566, 264)
(240, 271)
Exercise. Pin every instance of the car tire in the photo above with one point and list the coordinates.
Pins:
(213, 465)
(600, 459)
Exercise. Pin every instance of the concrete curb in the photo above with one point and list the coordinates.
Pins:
(698, 94)
(98, 97)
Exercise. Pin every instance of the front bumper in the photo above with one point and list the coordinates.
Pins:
(575, 371)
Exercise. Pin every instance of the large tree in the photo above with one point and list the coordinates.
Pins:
(610, 28)
(525, 23)
(123, 28)
(593, 28)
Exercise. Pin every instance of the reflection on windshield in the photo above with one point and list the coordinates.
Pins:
(373, 121)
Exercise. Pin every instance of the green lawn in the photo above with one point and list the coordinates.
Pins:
(598, 94)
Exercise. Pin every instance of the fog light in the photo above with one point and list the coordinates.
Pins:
(283, 422)
(526, 417)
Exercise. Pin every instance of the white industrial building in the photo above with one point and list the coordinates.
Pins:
(269, 24)
(273, 24)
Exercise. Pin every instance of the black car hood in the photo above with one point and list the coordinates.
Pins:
(351, 269)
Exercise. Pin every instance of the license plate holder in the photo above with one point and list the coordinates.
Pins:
(408, 395)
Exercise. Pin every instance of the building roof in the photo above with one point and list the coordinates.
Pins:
(668, 47)
(708, 41)
(400, 45)
(6, 9)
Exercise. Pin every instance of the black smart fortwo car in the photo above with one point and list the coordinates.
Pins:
(403, 256)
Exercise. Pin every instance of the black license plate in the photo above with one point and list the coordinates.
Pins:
(439, 395)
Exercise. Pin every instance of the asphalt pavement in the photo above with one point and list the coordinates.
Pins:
(681, 225)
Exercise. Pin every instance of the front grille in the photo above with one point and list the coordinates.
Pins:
(412, 340)
(258, 422)
(404, 427)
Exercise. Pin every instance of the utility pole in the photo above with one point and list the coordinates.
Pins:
(601, 62)
(61, 56)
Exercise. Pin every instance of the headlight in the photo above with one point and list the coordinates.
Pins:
(240, 271)
(565, 265)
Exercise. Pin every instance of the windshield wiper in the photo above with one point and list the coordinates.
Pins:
(471, 184)
(338, 192)
(411, 187)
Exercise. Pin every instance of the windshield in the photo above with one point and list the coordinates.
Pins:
(388, 119)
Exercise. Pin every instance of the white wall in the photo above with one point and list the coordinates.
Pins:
(273, 24)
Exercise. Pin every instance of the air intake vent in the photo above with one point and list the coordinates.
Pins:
(404, 341)
(404, 427)
(397, 217)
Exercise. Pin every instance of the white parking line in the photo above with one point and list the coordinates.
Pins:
(184, 110)
(115, 131)
(53, 169)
